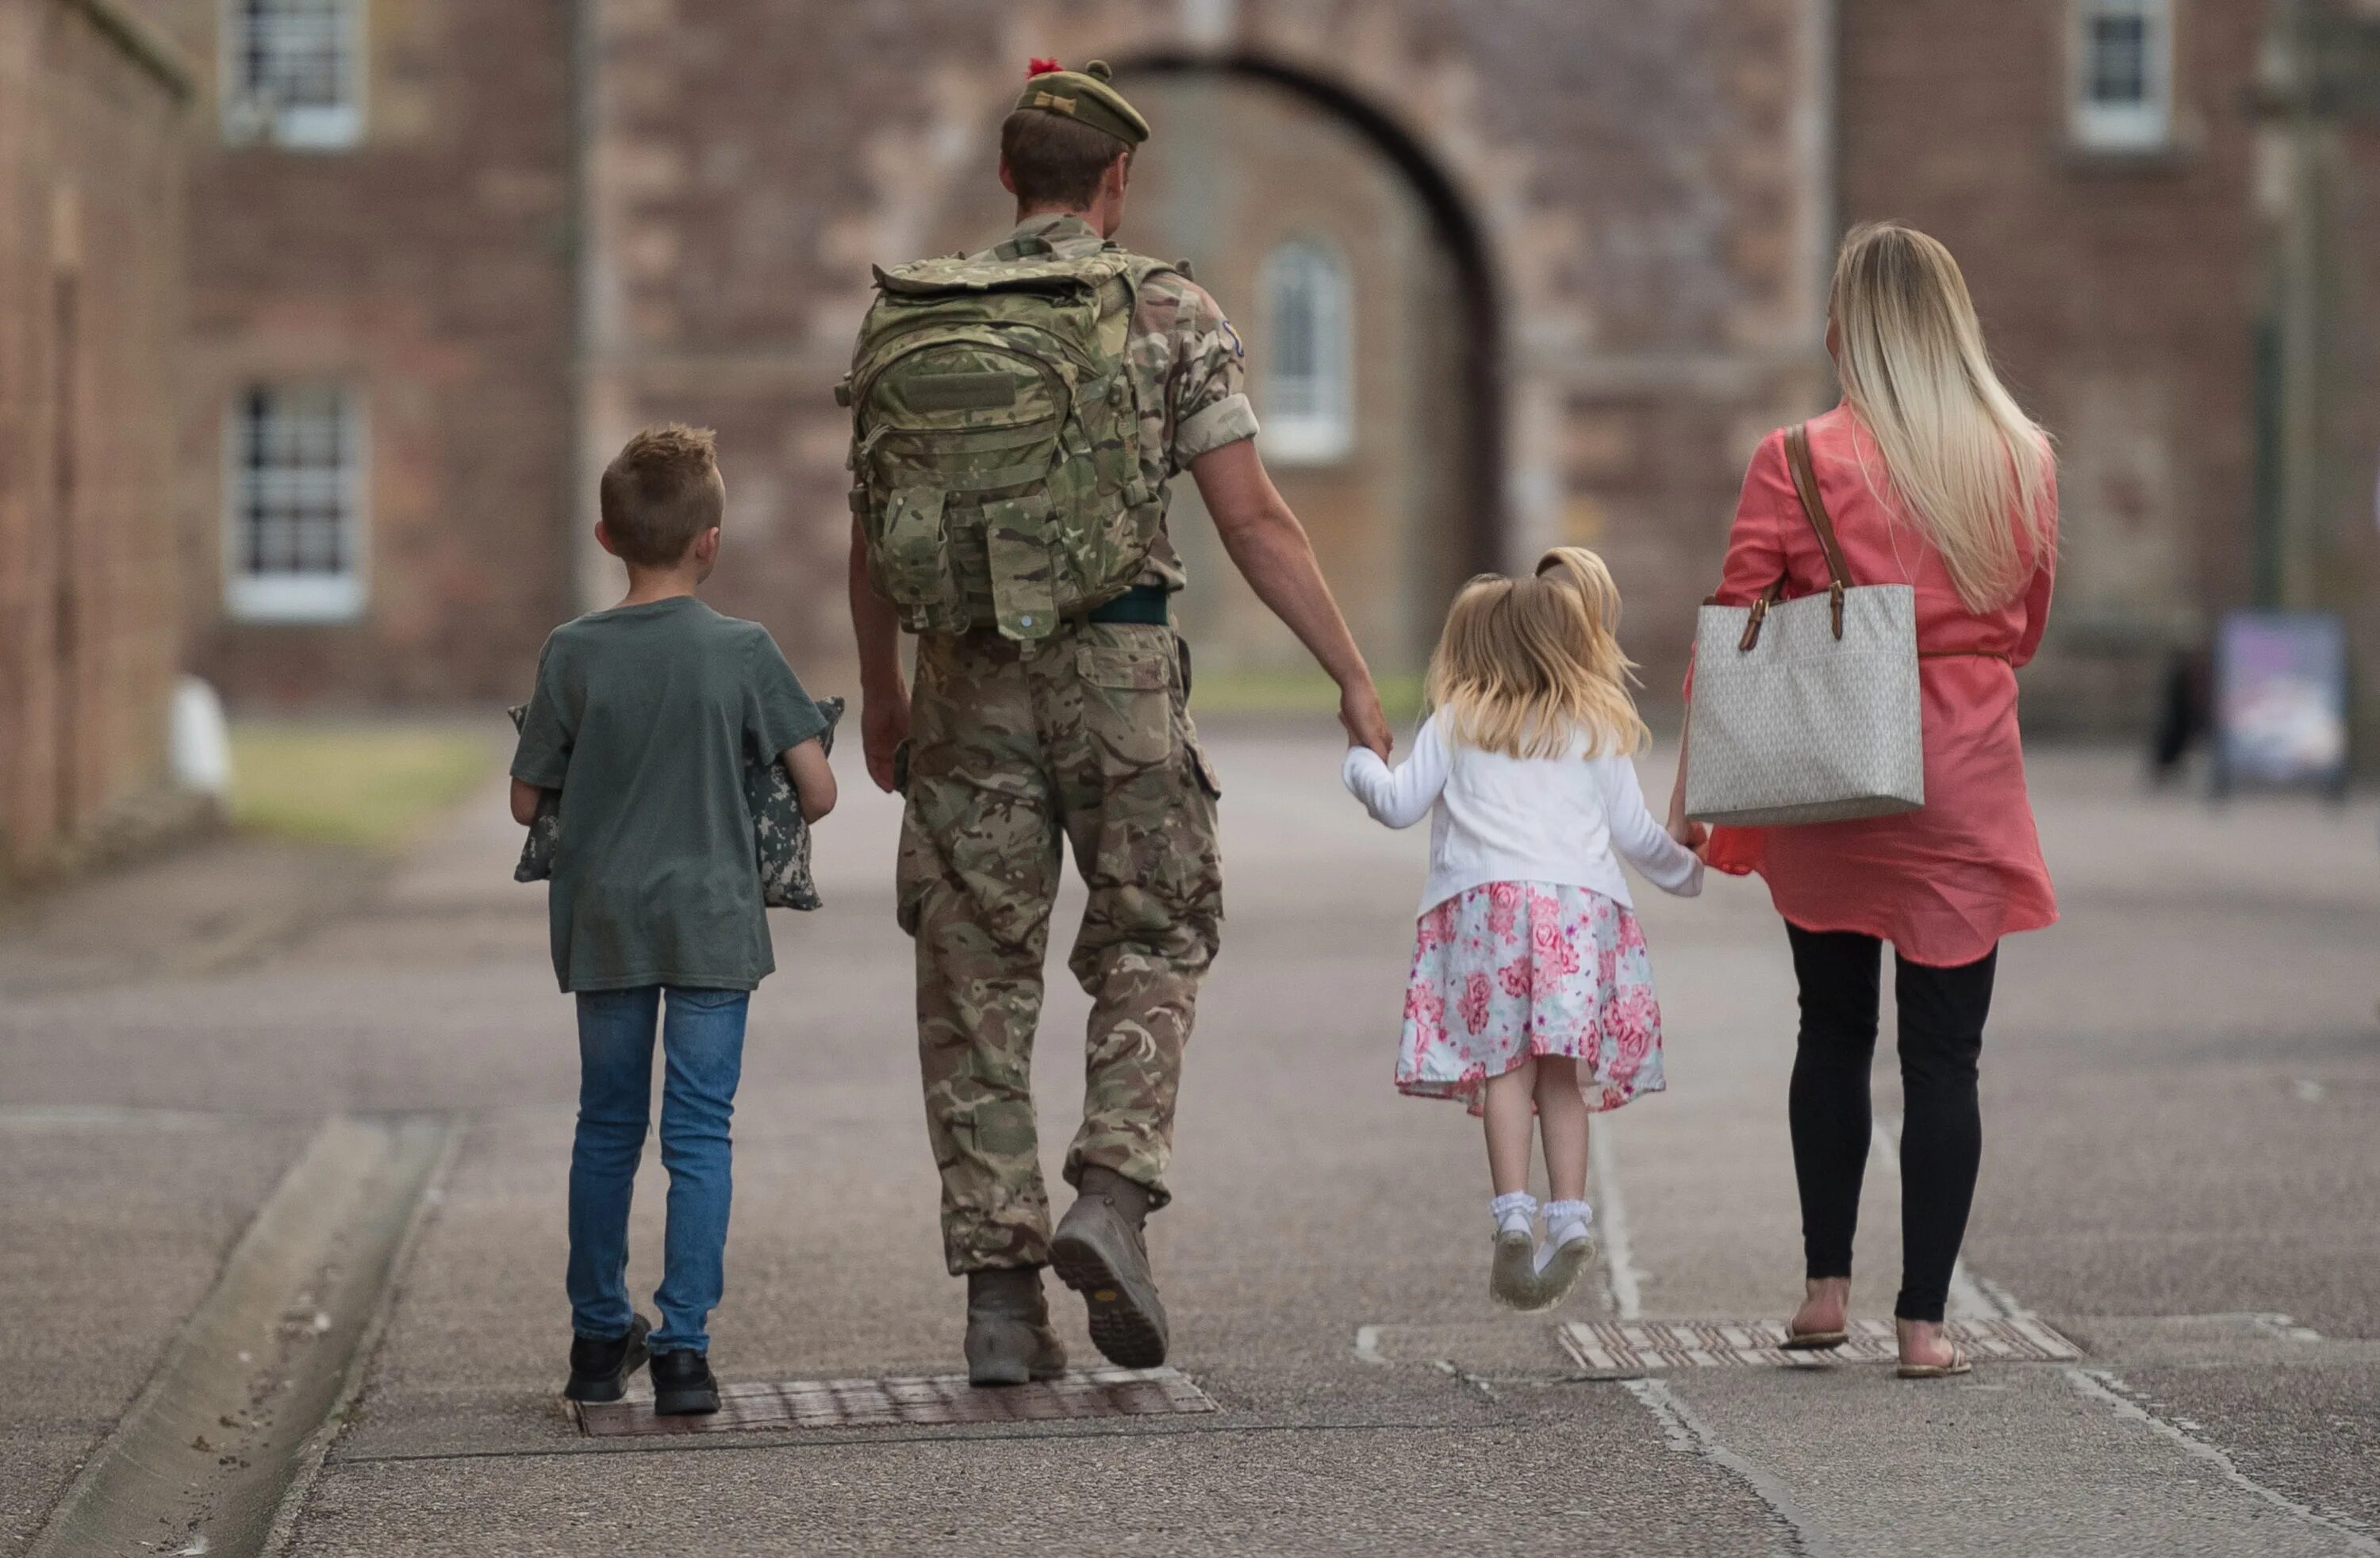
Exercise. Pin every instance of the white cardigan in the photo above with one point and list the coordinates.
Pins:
(1502, 819)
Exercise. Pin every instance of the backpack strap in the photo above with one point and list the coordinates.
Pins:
(1813, 508)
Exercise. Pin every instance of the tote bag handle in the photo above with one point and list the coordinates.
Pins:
(1814, 507)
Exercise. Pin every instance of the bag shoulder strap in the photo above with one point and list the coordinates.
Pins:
(1814, 507)
(1805, 484)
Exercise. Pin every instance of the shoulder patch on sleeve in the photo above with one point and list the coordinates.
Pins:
(1232, 335)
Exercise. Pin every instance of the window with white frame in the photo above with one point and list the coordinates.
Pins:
(294, 531)
(2123, 74)
(1306, 395)
(293, 72)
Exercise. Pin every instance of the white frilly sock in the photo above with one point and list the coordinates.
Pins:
(1515, 1212)
(1566, 1222)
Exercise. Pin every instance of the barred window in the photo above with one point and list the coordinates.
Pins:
(294, 529)
(2123, 74)
(293, 71)
(1306, 394)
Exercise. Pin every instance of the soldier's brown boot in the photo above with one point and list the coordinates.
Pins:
(1101, 1253)
(1008, 1335)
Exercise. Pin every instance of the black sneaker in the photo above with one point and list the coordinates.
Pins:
(600, 1369)
(683, 1386)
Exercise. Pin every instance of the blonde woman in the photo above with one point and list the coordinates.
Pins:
(1936, 479)
(1530, 996)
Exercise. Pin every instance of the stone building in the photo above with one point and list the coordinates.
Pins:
(91, 112)
(2094, 164)
(379, 411)
(1510, 273)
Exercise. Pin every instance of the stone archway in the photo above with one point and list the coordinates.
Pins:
(1416, 104)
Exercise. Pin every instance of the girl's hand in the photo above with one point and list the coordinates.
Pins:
(1695, 837)
(1359, 714)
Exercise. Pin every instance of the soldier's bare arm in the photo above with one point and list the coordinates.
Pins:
(1272, 550)
(813, 778)
(883, 697)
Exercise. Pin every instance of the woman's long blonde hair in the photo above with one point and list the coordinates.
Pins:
(1964, 462)
(1526, 666)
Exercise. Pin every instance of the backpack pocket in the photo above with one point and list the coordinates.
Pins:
(912, 555)
(1024, 570)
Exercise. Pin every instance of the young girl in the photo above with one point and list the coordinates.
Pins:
(1530, 984)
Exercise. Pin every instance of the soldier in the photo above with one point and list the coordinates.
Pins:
(1017, 414)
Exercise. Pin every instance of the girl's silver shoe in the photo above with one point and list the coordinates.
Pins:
(1564, 1265)
(1512, 1279)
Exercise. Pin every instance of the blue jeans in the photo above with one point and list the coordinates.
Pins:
(702, 1044)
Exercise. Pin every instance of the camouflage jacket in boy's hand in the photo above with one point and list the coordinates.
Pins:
(781, 836)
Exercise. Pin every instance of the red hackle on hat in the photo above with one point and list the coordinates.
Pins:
(1039, 67)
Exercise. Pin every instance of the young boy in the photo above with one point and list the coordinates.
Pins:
(642, 718)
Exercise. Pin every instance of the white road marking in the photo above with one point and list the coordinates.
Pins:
(2105, 1387)
(1367, 1346)
(1686, 1434)
(2284, 1327)
(76, 1116)
(1621, 1275)
(2309, 1089)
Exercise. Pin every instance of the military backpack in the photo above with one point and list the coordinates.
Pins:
(995, 440)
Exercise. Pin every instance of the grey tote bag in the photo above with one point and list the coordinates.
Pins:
(1806, 711)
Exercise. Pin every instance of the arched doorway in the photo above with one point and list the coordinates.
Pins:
(1362, 285)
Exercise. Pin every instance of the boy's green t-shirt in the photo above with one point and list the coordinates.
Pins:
(643, 718)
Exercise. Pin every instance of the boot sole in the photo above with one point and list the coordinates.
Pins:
(1126, 1332)
(687, 1403)
(1003, 1378)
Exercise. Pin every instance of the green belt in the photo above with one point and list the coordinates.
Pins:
(1148, 605)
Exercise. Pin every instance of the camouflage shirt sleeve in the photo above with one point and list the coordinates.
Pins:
(1202, 402)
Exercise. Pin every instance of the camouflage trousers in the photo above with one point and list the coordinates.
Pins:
(1084, 738)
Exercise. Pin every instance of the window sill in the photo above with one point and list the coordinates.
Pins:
(1288, 441)
(293, 600)
(2172, 156)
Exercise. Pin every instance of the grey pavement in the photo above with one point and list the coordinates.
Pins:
(2180, 1083)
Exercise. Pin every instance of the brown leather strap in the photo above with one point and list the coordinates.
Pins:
(1805, 484)
(1813, 508)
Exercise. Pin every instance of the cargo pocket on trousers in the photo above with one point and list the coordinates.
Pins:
(1128, 702)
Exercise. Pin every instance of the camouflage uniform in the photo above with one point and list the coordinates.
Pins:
(1086, 734)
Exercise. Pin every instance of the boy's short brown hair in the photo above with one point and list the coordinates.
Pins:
(661, 492)
(1053, 161)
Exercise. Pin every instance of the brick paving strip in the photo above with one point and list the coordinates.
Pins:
(921, 1401)
(238, 1414)
(1624, 1349)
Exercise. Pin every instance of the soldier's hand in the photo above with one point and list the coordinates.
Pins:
(1359, 711)
(883, 725)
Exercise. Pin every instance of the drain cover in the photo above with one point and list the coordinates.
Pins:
(1637, 1346)
(914, 1401)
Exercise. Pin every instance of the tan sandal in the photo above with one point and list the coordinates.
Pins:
(1813, 1341)
(1959, 1364)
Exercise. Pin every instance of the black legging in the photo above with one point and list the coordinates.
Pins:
(1942, 1013)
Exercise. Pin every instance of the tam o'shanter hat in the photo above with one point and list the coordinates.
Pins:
(1084, 97)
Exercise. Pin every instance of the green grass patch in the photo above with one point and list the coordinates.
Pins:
(368, 787)
(1226, 693)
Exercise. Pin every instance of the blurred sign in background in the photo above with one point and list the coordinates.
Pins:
(323, 312)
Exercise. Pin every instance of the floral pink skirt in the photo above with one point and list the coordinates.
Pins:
(1516, 969)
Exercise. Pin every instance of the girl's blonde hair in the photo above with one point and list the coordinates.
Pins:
(1528, 665)
(1969, 468)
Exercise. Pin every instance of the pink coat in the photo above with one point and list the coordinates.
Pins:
(1945, 882)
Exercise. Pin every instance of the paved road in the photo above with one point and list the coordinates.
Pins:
(2180, 1090)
